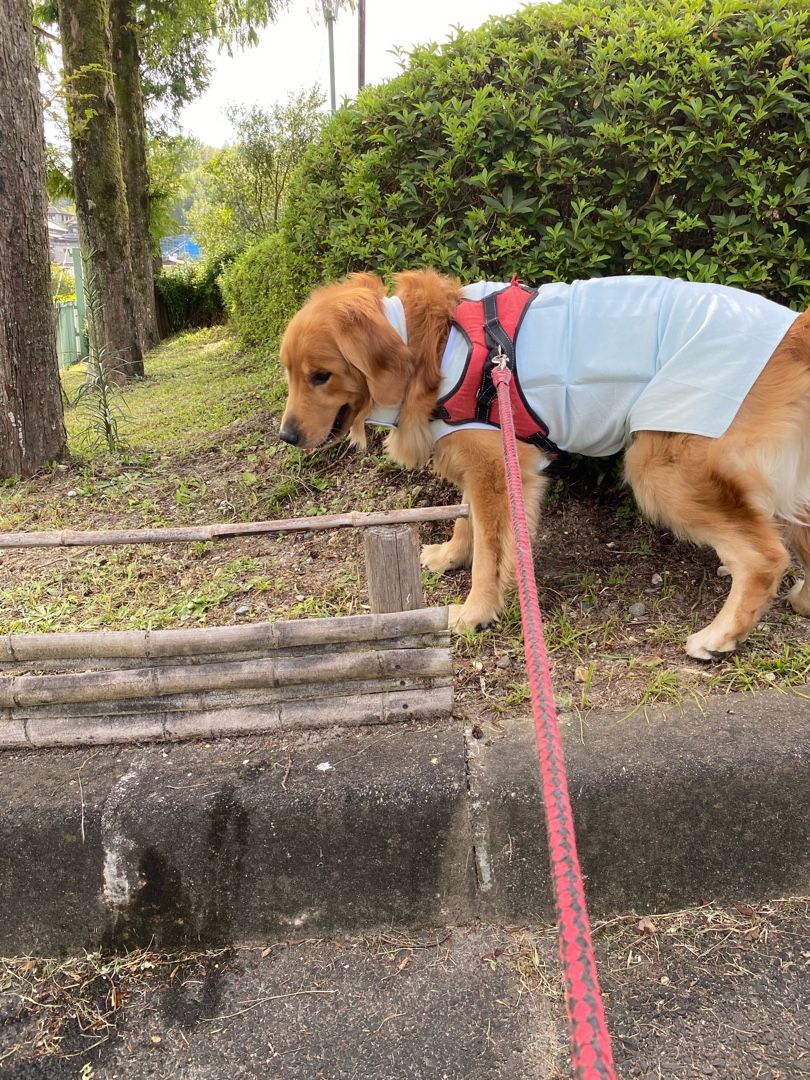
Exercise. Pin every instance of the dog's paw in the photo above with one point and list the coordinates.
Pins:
(707, 644)
(439, 558)
(464, 618)
(799, 598)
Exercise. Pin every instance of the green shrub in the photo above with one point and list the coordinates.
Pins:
(189, 296)
(570, 140)
(262, 287)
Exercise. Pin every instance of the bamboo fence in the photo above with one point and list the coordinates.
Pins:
(120, 686)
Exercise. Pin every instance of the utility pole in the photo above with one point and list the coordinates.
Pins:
(361, 44)
(330, 10)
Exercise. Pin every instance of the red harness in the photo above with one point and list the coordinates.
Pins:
(491, 327)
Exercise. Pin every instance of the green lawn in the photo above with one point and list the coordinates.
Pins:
(196, 385)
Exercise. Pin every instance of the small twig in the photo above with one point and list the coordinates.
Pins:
(81, 794)
(393, 1016)
(262, 1001)
(413, 946)
(51, 37)
(287, 771)
(699, 598)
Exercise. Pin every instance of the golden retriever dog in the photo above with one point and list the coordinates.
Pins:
(746, 492)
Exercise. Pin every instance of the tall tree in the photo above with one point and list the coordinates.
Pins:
(32, 430)
(132, 133)
(118, 57)
(101, 201)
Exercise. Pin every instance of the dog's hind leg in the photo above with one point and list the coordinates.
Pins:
(679, 483)
(757, 561)
(456, 553)
(798, 537)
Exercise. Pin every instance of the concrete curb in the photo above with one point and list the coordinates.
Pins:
(239, 842)
(672, 807)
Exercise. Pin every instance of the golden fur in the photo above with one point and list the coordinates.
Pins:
(745, 494)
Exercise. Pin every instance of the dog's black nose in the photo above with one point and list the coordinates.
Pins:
(290, 434)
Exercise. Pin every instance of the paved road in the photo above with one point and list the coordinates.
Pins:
(706, 993)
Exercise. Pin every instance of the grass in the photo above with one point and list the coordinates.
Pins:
(195, 399)
(121, 590)
(664, 688)
(564, 633)
(174, 408)
(782, 669)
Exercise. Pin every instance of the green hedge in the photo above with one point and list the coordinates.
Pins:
(189, 296)
(570, 140)
(262, 288)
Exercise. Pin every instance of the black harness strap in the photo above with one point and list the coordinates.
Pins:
(499, 341)
(544, 443)
(500, 344)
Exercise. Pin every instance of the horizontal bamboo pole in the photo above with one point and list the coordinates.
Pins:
(25, 690)
(200, 702)
(255, 637)
(354, 519)
(57, 665)
(364, 709)
(351, 710)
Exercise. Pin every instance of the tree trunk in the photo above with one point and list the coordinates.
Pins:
(32, 430)
(132, 133)
(101, 202)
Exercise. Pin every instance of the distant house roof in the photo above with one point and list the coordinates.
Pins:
(63, 234)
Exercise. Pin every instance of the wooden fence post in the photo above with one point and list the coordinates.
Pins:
(392, 566)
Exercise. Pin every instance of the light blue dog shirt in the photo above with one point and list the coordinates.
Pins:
(600, 359)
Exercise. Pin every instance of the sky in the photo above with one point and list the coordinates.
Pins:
(293, 54)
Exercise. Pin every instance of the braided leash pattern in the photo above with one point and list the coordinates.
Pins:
(591, 1056)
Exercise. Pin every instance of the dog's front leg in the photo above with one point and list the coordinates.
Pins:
(491, 576)
(474, 461)
(456, 553)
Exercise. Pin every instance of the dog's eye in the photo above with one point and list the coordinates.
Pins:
(320, 377)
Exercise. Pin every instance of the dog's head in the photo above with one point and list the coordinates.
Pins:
(340, 356)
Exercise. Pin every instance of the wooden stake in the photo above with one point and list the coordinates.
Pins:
(392, 565)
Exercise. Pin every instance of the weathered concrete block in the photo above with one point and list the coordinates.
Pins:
(671, 808)
(236, 841)
(206, 845)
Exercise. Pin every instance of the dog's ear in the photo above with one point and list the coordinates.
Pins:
(369, 343)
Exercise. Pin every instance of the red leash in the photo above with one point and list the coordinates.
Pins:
(591, 1056)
